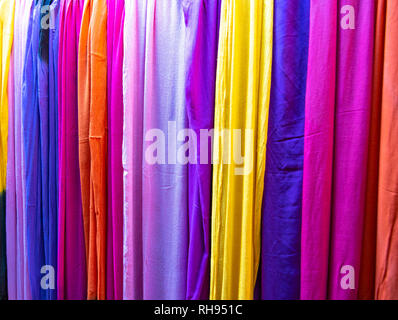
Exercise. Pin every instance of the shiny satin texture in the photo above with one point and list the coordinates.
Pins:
(242, 102)
(202, 25)
(17, 262)
(156, 195)
(366, 289)
(352, 123)
(318, 150)
(72, 272)
(386, 286)
(7, 10)
(281, 224)
(93, 140)
(114, 264)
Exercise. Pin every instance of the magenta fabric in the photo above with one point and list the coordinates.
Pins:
(114, 266)
(318, 149)
(72, 275)
(353, 103)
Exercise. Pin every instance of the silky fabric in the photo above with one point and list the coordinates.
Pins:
(386, 286)
(72, 272)
(93, 140)
(7, 10)
(48, 114)
(155, 184)
(281, 222)
(114, 264)
(10, 188)
(35, 209)
(366, 287)
(242, 103)
(202, 25)
(318, 150)
(352, 122)
(17, 263)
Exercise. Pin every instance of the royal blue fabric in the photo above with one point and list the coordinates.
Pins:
(31, 136)
(280, 260)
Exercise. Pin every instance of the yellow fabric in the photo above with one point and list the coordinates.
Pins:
(242, 102)
(7, 8)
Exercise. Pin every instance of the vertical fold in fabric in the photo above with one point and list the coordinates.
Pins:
(281, 227)
(114, 265)
(93, 140)
(7, 11)
(352, 123)
(241, 124)
(202, 23)
(72, 272)
(318, 150)
(366, 289)
(386, 287)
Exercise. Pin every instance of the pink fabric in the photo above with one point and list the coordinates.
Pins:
(318, 149)
(353, 103)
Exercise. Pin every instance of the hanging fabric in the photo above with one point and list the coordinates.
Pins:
(93, 130)
(366, 287)
(48, 114)
(17, 260)
(33, 156)
(386, 287)
(284, 167)
(352, 115)
(114, 265)
(242, 103)
(72, 272)
(318, 150)
(156, 227)
(202, 24)
(7, 10)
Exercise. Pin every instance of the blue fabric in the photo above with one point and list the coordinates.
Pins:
(40, 142)
(281, 226)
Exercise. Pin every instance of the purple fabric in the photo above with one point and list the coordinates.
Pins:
(202, 25)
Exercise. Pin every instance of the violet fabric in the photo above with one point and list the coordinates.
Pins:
(353, 103)
(72, 273)
(318, 149)
(114, 265)
(281, 222)
(32, 147)
(202, 24)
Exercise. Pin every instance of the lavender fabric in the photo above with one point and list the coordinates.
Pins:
(17, 264)
(166, 204)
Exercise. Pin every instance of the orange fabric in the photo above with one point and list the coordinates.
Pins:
(92, 79)
(387, 220)
(368, 256)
